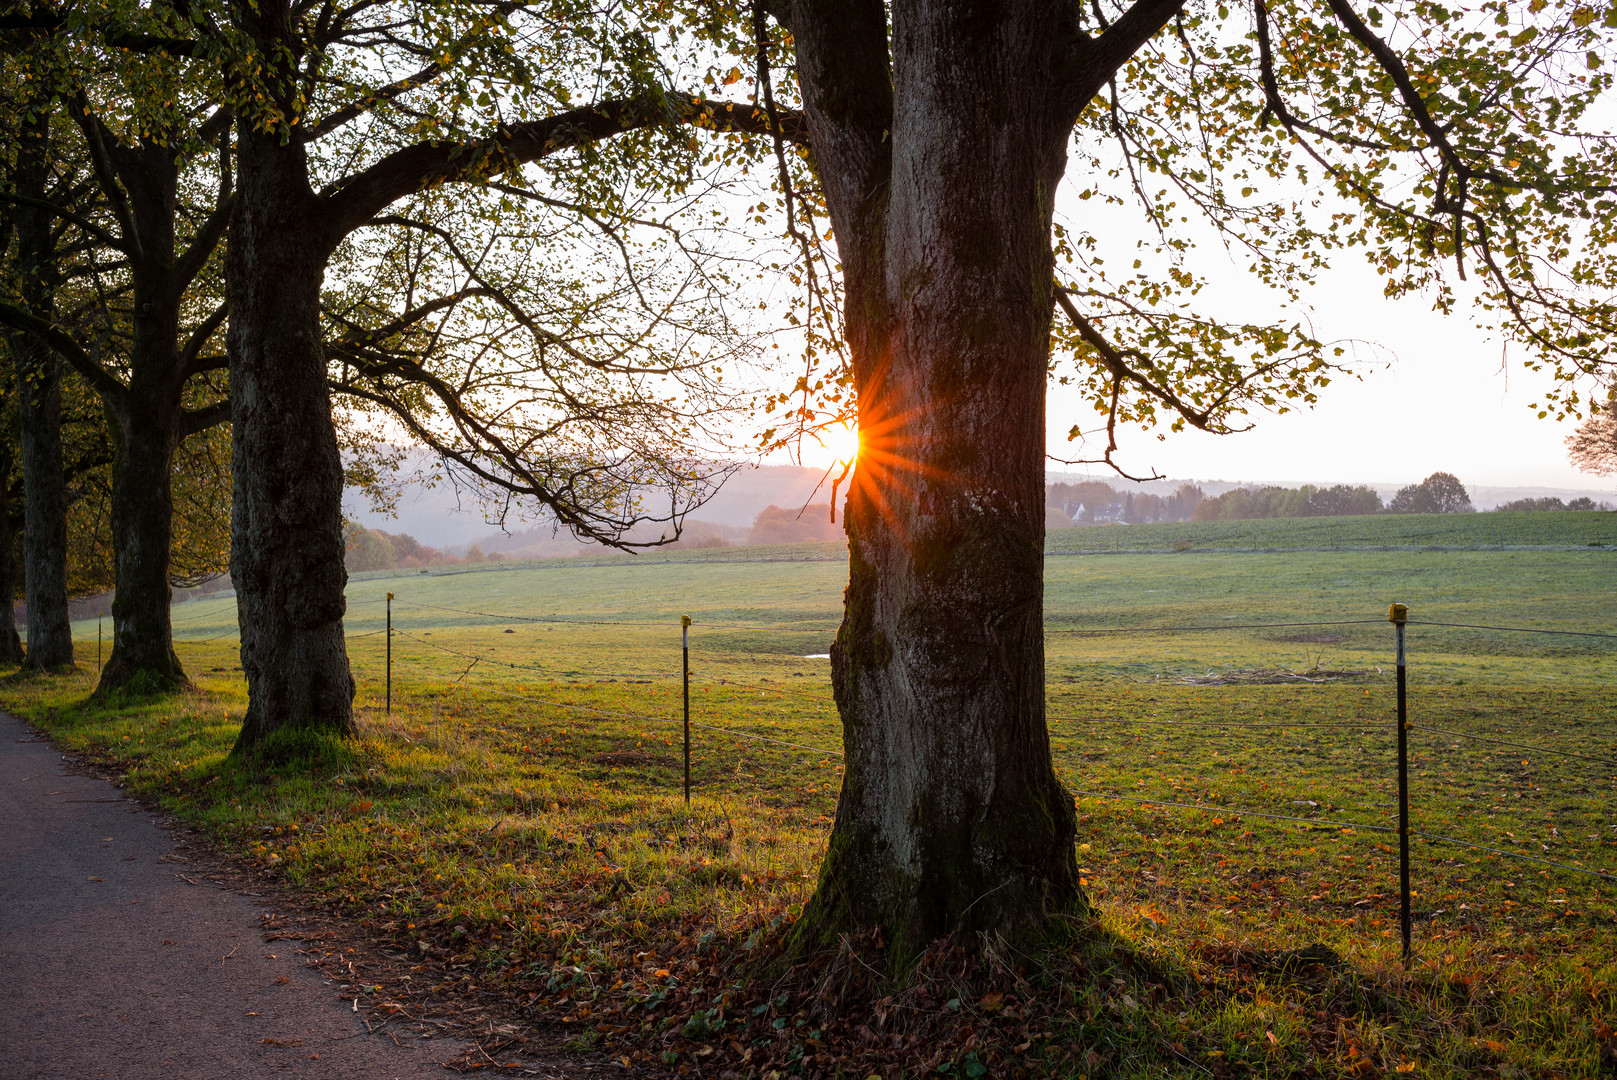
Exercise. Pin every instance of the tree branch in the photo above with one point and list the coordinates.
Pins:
(1101, 57)
(199, 337)
(65, 347)
(426, 164)
(195, 420)
(356, 109)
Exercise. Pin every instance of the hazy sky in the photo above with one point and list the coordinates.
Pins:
(1439, 401)
(1432, 397)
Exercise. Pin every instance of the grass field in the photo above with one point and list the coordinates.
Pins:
(517, 817)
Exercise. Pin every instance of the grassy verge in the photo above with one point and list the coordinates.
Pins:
(515, 825)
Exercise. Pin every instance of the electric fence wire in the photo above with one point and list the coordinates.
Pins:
(1100, 631)
(205, 640)
(194, 616)
(614, 713)
(1513, 629)
(1512, 854)
(1371, 724)
(1238, 812)
(1517, 745)
(548, 619)
(550, 672)
(773, 627)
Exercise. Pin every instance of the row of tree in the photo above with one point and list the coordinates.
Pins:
(1553, 504)
(175, 188)
(305, 217)
(1241, 503)
(1439, 493)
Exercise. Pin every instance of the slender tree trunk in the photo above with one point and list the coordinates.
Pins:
(39, 417)
(951, 818)
(39, 396)
(142, 529)
(286, 549)
(11, 653)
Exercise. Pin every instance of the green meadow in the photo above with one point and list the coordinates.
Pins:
(1221, 703)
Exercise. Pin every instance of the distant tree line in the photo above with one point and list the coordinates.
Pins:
(1092, 502)
(374, 549)
(1239, 504)
(1550, 502)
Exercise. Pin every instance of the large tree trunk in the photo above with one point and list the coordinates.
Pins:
(286, 547)
(951, 818)
(39, 417)
(142, 528)
(147, 412)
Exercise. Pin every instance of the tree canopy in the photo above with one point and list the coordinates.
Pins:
(1440, 493)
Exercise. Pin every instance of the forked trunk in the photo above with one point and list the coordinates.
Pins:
(286, 545)
(951, 819)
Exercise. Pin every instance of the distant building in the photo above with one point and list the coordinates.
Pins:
(1111, 514)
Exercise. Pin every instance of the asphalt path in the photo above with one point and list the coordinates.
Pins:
(118, 958)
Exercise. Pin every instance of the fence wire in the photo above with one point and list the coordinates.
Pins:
(1209, 727)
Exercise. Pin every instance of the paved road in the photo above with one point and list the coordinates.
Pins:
(113, 965)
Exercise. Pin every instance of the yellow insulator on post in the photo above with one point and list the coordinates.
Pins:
(1398, 613)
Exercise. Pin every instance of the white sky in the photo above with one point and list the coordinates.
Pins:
(1440, 401)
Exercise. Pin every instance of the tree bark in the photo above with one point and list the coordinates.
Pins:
(39, 416)
(286, 546)
(11, 653)
(951, 819)
(142, 654)
(148, 414)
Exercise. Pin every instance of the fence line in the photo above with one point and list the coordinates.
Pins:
(1238, 812)
(1217, 723)
(783, 691)
(786, 691)
(765, 738)
(1371, 724)
(1399, 618)
(1521, 746)
(526, 667)
(617, 714)
(548, 619)
(1232, 626)
(1512, 854)
(1513, 629)
(560, 621)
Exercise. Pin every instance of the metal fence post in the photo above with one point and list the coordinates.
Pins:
(685, 651)
(1398, 614)
(390, 654)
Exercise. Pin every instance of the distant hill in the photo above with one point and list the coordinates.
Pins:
(444, 518)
